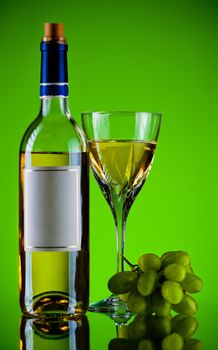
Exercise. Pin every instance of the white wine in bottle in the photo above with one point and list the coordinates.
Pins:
(54, 196)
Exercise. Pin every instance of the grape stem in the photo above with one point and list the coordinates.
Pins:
(133, 267)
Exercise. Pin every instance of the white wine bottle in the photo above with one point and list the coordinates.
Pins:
(54, 196)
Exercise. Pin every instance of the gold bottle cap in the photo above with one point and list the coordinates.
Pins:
(54, 31)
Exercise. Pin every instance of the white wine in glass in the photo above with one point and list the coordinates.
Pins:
(122, 147)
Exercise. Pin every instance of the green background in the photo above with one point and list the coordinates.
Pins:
(123, 55)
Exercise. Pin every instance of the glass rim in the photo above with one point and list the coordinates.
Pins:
(120, 112)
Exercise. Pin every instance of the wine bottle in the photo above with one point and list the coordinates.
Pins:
(54, 196)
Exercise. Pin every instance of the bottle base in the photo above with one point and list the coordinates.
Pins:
(55, 306)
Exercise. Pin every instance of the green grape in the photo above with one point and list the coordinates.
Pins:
(143, 317)
(186, 326)
(147, 282)
(175, 272)
(177, 257)
(136, 302)
(146, 344)
(124, 297)
(160, 327)
(148, 310)
(167, 255)
(159, 305)
(177, 318)
(189, 269)
(172, 342)
(188, 306)
(170, 317)
(123, 282)
(192, 283)
(121, 344)
(193, 344)
(149, 262)
(137, 330)
(172, 292)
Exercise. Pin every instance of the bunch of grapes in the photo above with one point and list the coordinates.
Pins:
(158, 291)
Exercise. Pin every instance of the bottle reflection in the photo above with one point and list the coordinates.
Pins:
(54, 335)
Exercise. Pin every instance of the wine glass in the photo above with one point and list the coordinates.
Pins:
(122, 147)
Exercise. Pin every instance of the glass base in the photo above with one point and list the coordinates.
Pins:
(113, 307)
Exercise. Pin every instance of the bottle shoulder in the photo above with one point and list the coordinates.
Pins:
(54, 133)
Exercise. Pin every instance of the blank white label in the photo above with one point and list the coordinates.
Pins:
(52, 210)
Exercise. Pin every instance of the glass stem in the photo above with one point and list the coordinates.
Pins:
(120, 222)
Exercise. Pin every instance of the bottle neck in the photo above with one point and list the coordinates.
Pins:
(55, 106)
(54, 78)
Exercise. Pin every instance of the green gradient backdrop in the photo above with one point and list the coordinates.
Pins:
(130, 55)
